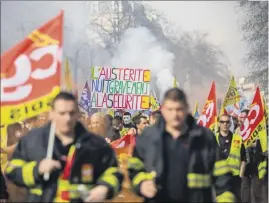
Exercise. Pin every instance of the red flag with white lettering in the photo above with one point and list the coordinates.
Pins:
(208, 117)
(30, 73)
(255, 124)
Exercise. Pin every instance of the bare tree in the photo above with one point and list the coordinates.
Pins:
(255, 32)
(197, 61)
(111, 23)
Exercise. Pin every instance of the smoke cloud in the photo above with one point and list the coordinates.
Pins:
(140, 49)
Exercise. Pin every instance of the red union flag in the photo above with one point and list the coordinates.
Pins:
(208, 117)
(30, 73)
(124, 144)
(255, 124)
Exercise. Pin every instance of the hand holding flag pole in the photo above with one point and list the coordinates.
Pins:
(50, 147)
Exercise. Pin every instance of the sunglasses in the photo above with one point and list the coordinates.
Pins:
(227, 122)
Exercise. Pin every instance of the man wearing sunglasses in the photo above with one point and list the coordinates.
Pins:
(233, 150)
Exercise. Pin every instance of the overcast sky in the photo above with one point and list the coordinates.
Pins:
(219, 19)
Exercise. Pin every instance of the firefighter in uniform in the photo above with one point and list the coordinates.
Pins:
(80, 158)
(176, 160)
(233, 150)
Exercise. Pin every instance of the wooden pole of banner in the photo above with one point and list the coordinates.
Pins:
(50, 147)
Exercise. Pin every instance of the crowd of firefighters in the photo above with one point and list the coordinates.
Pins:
(173, 160)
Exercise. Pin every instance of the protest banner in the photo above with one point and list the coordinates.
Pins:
(120, 88)
(30, 73)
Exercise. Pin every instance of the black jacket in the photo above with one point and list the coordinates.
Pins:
(90, 149)
(261, 156)
(113, 134)
(3, 191)
(204, 159)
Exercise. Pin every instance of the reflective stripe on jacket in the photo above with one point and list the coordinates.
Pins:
(95, 163)
(234, 158)
(147, 163)
(262, 169)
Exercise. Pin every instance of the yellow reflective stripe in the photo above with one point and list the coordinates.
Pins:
(9, 168)
(36, 191)
(234, 163)
(221, 163)
(112, 181)
(196, 180)
(262, 165)
(73, 190)
(235, 167)
(71, 151)
(17, 162)
(226, 197)
(63, 185)
(111, 170)
(135, 163)
(109, 178)
(221, 168)
(28, 173)
(262, 169)
(141, 177)
(233, 156)
(14, 163)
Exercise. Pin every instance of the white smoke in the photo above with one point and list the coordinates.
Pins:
(140, 49)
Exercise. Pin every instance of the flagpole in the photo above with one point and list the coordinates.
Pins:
(50, 147)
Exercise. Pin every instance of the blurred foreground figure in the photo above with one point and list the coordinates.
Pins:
(178, 161)
(3, 188)
(79, 159)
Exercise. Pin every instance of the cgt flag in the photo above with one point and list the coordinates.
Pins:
(31, 72)
(255, 126)
(232, 100)
(208, 118)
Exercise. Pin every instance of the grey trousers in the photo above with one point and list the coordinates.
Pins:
(251, 185)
